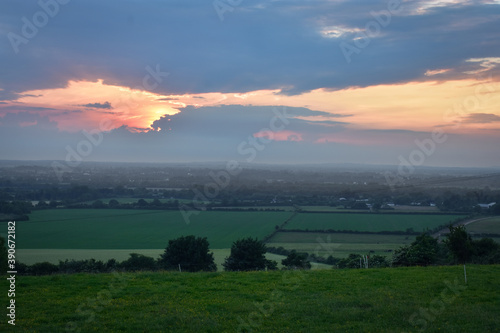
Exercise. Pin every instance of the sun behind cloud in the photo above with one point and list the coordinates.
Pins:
(84, 104)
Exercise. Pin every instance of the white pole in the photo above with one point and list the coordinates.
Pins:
(180, 268)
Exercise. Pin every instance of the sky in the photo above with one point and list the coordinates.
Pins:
(405, 83)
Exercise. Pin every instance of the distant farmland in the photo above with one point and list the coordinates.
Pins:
(118, 232)
(487, 226)
(138, 229)
(339, 244)
(370, 222)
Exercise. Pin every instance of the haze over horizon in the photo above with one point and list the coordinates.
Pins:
(368, 82)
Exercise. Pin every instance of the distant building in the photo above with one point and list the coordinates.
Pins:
(487, 206)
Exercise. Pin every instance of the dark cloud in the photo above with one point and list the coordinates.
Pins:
(259, 45)
(105, 105)
(238, 121)
(480, 118)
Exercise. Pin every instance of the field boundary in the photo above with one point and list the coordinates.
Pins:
(378, 213)
(280, 227)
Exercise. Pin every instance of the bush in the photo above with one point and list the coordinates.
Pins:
(296, 261)
(82, 266)
(43, 268)
(139, 262)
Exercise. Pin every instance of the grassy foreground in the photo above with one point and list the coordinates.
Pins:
(432, 299)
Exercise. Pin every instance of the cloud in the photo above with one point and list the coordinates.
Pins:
(238, 121)
(480, 118)
(226, 137)
(289, 45)
(24, 119)
(433, 72)
(485, 64)
(105, 105)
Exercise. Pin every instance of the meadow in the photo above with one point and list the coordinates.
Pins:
(370, 222)
(416, 299)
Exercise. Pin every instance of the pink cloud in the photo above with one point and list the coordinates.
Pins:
(279, 136)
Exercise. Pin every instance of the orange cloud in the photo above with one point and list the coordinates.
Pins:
(416, 106)
(84, 104)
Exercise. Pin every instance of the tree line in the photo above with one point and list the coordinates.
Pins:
(191, 254)
(184, 254)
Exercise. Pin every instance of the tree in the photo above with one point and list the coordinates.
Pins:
(378, 261)
(142, 203)
(190, 252)
(421, 252)
(460, 244)
(495, 209)
(296, 261)
(271, 265)
(113, 203)
(246, 255)
(400, 257)
(352, 261)
(486, 251)
(98, 204)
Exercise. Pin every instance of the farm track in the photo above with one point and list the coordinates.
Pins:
(464, 223)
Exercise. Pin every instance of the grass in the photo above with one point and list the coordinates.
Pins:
(433, 299)
(339, 244)
(368, 222)
(488, 226)
(138, 229)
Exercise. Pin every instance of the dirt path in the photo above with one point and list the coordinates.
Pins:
(446, 230)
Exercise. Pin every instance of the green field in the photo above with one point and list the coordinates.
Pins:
(369, 222)
(339, 245)
(488, 226)
(102, 234)
(138, 229)
(432, 299)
